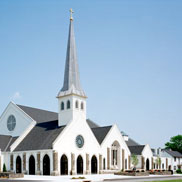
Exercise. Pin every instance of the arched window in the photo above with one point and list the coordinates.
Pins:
(62, 105)
(82, 106)
(76, 104)
(68, 104)
(115, 154)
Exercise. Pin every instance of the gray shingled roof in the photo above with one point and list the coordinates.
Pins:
(44, 134)
(39, 115)
(137, 150)
(92, 124)
(42, 116)
(131, 142)
(46, 130)
(101, 132)
(71, 75)
(173, 153)
(6, 141)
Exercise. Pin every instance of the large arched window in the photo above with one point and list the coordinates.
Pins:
(76, 104)
(68, 104)
(82, 106)
(115, 155)
(62, 105)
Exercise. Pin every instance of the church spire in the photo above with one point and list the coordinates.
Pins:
(71, 76)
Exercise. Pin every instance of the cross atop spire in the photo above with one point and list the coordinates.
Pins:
(71, 13)
(71, 75)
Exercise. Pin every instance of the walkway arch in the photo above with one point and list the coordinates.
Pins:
(79, 165)
(94, 165)
(64, 165)
(32, 165)
(18, 165)
(147, 165)
(46, 165)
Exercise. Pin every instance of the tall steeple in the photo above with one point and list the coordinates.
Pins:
(71, 76)
(71, 98)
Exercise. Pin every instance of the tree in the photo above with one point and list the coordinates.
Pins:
(175, 143)
(134, 160)
(158, 162)
(4, 168)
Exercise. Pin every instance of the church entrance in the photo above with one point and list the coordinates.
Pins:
(18, 164)
(64, 165)
(94, 165)
(79, 165)
(147, 165)
(46, 165)
(32, 165)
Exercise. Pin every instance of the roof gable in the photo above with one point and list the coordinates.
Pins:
(101, 132)
(137, 149)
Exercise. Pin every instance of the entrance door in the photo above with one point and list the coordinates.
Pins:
(31, 165)
(64, 165)
(94, 165)
(147, 165)
(46, 165)
(79, 165)
(18, 164)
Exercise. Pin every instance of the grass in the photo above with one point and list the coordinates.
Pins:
(80, 177)
(176, 180)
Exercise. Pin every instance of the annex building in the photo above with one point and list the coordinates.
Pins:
(36, 141)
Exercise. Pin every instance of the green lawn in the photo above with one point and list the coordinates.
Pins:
(176, 180)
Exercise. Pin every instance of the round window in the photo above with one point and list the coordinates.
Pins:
(79, 141)
(11, 123)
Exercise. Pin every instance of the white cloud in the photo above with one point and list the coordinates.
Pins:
(16, 96)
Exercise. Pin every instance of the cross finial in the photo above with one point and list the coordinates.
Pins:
(71, 13)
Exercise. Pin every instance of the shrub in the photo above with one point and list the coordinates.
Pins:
(4, 168)
(179, 171)
(81, 177)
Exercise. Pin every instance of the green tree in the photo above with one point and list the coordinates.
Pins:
(4, 168)
(158, 162)
(175, 143)
(134, 160)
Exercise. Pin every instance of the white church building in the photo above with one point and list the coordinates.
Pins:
(36, 141)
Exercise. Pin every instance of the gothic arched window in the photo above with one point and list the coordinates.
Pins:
(76, 104)
(62, 105)
(82, 106)
(68, 104)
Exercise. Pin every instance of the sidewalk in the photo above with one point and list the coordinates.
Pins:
(94, 178)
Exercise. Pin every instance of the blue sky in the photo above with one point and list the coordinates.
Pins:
(130, 60)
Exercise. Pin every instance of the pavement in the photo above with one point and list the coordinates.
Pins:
(95, 178)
